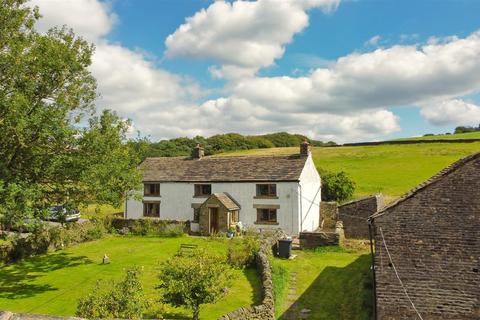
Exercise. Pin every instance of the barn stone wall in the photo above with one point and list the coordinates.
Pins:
(354, 215)
(433, 236)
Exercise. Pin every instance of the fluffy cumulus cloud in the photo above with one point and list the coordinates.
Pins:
(91, 19)
(396, 76)
(343, 100)
(242, 36)
(455, 112)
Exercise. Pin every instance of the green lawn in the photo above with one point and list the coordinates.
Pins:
(468, 135)
(53, 283)
(332, 282)
(100, 211)
(390, 169)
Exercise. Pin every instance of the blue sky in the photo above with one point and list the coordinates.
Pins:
(322, 67)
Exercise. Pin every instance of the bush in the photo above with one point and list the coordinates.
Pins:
(241, 251)
(122, 300)
(149, 227)
(191, 281)
(336, 186)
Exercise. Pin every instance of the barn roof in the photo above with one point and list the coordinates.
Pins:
(223, 169)
(439, 176)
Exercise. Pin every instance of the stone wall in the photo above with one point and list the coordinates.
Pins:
(266, 310)
(6, 315)
(123, 225)
(328, 215)
(354, 215)
(433, 237)
(310, 240)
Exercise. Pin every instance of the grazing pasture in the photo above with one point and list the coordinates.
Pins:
(390, 169)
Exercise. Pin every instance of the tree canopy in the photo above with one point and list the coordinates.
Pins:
(54, 147)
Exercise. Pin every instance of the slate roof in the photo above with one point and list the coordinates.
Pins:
(223, 169)
(443, 173)
(226, 200)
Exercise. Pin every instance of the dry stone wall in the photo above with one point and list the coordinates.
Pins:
(266, 310)
(433, 237)
(354, 215)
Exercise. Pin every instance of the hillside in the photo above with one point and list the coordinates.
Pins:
(390, 169)
(457, 136)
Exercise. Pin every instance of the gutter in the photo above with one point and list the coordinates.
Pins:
(372, 254)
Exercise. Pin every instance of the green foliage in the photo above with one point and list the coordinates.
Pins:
(463, 129)
(336, 186)
(241, 251)
(120, 300)
(43, 239)
(47, 94)
(191, 281)
(162, 228)
(220, 143)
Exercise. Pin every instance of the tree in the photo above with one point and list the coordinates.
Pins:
(191, 281)
(54, 149)
(121, 300)
(336, 186)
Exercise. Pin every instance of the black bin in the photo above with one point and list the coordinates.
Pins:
(284, 248)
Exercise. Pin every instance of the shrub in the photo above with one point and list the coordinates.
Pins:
(191, 281)
(173, 230)
(336, 186)
(241, 251)
(121, 300)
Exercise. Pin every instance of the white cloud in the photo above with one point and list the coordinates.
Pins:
(90, 19)
(396, 76)
(452, 112)
(130, 83)
(345, 100)
(373, 41)
(242, 36)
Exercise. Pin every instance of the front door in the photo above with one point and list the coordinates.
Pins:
(213, 220)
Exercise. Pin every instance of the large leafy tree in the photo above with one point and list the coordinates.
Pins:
(53, 147)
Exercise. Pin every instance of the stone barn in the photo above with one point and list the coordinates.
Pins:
(427, 248)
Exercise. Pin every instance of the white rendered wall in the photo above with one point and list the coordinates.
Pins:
(310, 189)
(177, 197)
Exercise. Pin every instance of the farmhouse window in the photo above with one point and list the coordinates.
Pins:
(203, 190)
(266, 190)
(196, 215)
(151, 189)
(267, 215)
(151, 209)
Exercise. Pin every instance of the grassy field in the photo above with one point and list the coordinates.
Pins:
(468, 135)
(100, 211)
(332, 282)
(53, 283)
(390, 169)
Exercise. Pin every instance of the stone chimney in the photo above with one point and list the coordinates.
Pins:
(197, 152)
(304, 148)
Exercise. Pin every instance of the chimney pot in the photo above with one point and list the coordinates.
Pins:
(197, 152)
(304, 148)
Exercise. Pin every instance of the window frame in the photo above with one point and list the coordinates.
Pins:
(199, 187)
(156, 192)
(145, 209)
(271, 190)
(269, 213)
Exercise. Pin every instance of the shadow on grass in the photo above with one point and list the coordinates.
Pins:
(254, 278)
(337, 293)
(17, 279)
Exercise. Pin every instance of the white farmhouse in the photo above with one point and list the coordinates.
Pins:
(214, 193)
